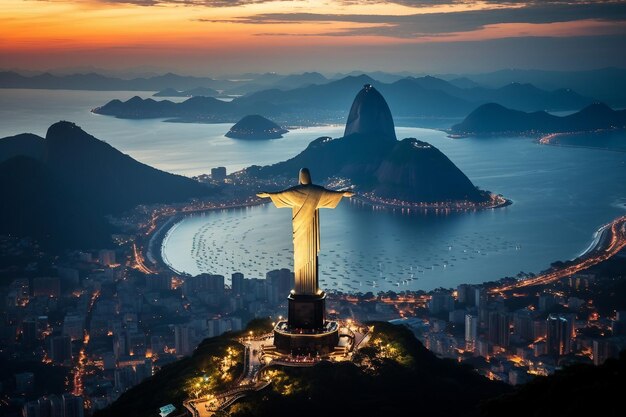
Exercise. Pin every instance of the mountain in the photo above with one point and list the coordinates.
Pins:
(605, 84)
(417, 171)
(197, 109)
(97, 82)
(25, 144)
(576, 387)
(428, 99)
(36, 203)
(370, 115)
(372, 384)
(372, 159)
(72, 180)
(420, 97)
(255, 127)
(490, 119)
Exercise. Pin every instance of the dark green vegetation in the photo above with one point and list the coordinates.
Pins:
(574, 391)
(255, 127)
(55, 189)
(395, 375)
(492, 119)
(205, 371)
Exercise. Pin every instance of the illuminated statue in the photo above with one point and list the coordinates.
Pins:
(305, 200)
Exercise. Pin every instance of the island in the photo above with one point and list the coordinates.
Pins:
(256, 127)
(493, 119)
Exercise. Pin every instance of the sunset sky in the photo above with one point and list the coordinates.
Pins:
(223, 36)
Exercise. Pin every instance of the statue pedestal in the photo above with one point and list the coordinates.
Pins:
(306, 330)
(319, 342)
(307, 312)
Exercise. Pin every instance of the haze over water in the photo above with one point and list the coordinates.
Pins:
(561, 196)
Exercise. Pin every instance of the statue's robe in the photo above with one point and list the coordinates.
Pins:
(305, 200)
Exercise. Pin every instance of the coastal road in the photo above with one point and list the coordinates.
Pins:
(607, 246)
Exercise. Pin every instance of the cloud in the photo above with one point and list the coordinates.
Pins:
(437, 24)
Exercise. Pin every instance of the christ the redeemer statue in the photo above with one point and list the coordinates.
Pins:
(305, 200)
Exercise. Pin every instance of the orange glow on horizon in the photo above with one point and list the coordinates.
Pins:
(32, 27)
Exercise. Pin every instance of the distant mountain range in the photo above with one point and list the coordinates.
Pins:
(97, 82)
(605, 84)
(425, 97)
(198, 91)
(60, 188)
(491, 119)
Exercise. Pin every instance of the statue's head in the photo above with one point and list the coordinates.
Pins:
(305, 176)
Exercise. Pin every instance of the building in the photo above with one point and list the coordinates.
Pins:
(471, 331)
(183, 339)
(559, 335)
(24, 382)
(465, 295)
(74, 326)
(441, 302)
(236, 283)
(60, 349)
(218, 174)
(46, 287)
(498, 328)
(73, 405)
(106, 257)
(603, 349)
(523, 325)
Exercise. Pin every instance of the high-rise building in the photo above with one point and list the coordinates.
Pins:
(236, 283)
(465, 294)
(72, 405)
(523, 324)
(60, 349)
(29, 332)
(559, 335)
(56, 406)
(498, 328)
(480, 297)
(546, 302)
(441, 302)
(604, 349)
(74, 326)
(471, 331)
(183, 339)
(218, 174)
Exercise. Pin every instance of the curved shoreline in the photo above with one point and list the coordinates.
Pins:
(459, 206)
(607, 241)
(610, 239)
(550, 138)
